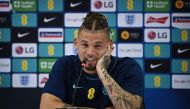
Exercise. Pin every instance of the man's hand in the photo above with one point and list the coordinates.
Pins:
(105, 60)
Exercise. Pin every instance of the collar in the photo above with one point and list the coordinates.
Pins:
(112, 64)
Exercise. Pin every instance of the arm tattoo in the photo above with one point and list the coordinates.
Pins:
(120, 98)
(105, 62)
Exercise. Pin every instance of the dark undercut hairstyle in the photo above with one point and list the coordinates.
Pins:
(95, 22)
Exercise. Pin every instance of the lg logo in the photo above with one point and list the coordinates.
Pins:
(157, 35)
(160, 35)
(99, 4)
(24, 50)
(20, 50)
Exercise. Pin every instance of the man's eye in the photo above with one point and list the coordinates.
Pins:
(84, 45)
(98, 46)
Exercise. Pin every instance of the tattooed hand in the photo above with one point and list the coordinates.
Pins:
(105, 60)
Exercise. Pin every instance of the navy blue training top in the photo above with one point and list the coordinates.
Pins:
(72, 85)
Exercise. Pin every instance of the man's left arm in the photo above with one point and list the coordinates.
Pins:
(120, 98)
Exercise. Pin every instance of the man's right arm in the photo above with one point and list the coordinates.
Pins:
(49, 101)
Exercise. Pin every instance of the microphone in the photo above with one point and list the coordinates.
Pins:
(83, 63)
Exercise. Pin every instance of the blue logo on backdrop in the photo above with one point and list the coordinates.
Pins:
(130, 19)
(24, 79)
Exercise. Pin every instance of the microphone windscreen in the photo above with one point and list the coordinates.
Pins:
(83, 63)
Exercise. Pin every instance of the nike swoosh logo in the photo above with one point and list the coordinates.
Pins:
(48, 20)
(182, 51)
(22, 35)
(76, 87)
(75, 4)
(155, 66)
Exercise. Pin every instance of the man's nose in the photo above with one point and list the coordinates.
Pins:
(90, 51)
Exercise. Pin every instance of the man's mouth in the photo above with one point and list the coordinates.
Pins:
(90, 64)
(90, 59)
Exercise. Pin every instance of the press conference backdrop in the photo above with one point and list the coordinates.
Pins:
(35, 33)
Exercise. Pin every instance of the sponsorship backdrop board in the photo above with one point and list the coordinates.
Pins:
(35, 33)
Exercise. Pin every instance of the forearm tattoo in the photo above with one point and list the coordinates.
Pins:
(120, 98)
(105, 62)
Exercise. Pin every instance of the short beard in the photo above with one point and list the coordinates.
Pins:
(90, 68)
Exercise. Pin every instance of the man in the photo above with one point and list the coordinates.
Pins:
(94, 78)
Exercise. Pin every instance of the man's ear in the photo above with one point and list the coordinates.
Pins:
(75, 37)
(75, 43)
(111, 44)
